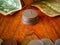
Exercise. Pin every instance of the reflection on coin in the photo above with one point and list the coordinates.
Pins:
(47, 42)
(35, 42)
(57, 42)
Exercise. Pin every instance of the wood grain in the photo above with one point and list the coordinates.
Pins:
(12, 27)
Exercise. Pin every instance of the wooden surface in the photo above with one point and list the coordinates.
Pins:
(12, 27)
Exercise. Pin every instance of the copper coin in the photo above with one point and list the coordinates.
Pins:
(9, 42)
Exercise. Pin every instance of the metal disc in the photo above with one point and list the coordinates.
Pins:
(29, 16)
(35, 42)
(57, 42)
(1, 41)
(47, 42)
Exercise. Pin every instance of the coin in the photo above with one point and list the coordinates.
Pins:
(10, 42)
(1, 41)
(29, 16)
(57, 42)
(35, 42)
(47, 42)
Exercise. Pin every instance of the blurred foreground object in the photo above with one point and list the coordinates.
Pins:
(47, 41)
(57, 42)
(35, 42)
(9, 42)
(25, 41)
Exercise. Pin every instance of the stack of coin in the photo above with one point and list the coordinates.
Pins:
(29, 16)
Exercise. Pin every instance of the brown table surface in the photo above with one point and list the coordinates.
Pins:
(12, 27)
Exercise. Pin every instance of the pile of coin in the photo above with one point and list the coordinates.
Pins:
(44, 41)
(30, 16)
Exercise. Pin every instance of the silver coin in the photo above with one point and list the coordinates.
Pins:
(29, 16)
(57, 42)
(47, 42)
(35, 42)
(30, 13)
